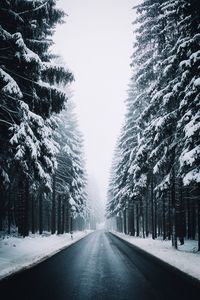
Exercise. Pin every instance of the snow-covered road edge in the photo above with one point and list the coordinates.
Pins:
(187, 263)
(10, 268)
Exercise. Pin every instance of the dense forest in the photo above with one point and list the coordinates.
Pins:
(154, 187)
(42, 171)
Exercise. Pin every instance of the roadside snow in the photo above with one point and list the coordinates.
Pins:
(18, 253)
(186, 258)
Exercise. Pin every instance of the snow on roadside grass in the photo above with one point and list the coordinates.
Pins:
(185, 259)
(20, 253)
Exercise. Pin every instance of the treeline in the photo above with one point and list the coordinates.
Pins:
(155, 178)
(42, 173)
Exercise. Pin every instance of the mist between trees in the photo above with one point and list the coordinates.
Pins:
(155, 178)
(42, 171)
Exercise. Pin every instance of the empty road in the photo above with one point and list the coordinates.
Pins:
(99, 267)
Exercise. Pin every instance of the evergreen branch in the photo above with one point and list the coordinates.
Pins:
(7, 109)
(34, 9)
(6, 122)
(20, 76)
(8, 112)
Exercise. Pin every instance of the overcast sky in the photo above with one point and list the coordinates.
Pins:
(96, 43)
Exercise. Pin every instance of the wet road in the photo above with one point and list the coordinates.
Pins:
(99, 267)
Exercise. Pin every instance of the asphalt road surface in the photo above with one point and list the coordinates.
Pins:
(100, 267)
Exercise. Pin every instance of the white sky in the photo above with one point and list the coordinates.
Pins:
(96, 43)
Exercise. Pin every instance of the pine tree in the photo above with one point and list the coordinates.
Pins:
(29, 95)
(70, 174)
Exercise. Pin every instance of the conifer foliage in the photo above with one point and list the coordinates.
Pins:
(29, 97)
(158, 166)
(70, 175)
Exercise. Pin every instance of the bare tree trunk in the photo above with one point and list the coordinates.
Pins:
(124, 221)
(32, 215)
(142, 216)
(137, 220)
(169, 233)
(71, 224)
(152, 211)
(1, 207)
(163, 217)
(40, 212)
(198, 216)
(147, 216)
(188, 215)
(131, 226)
(63, 217)
(59, 215)
(9, 210)
(180, 213)
(155, 217)
(173, 197)
(53, 208)
(23, 207)
(67, 225)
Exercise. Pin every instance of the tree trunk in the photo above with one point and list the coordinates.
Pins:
(155, 217)
(180, 214)
(71, 224)
(1, 207)
(169, 233)
(193, 219)
(152, 211)
(173, 197)
(32, 215)
(124, 220)
(53, 208)
(63, 218)
(198, 216)
(67, 226)
(59, 215)
(137, 220)
(188, 215)
(163, 217)
(147, 216)
(23, 207)
(40, 212)
(131, 226)
(26, 207)
(142, 216)
(9, 210)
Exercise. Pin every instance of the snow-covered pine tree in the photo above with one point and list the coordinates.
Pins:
(121, 183)
(132, 180)
(145, 64)
(70, 175)
(113, 205)
(29, 95)
(188, 129)
(172, 84)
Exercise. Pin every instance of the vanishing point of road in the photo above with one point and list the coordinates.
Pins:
(100, 267)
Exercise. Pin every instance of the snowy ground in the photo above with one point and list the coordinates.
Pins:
(186, 258)
(20, 253)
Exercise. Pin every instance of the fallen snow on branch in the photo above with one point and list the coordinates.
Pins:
(20, 253)
(186, 258)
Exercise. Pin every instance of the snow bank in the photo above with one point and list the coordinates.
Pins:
(186, 258)
(20, 253)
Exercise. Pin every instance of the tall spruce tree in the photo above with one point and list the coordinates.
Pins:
(29, 97)
(70, 175)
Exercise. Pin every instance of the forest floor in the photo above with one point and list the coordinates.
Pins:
(17, 253)
(186, 258)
